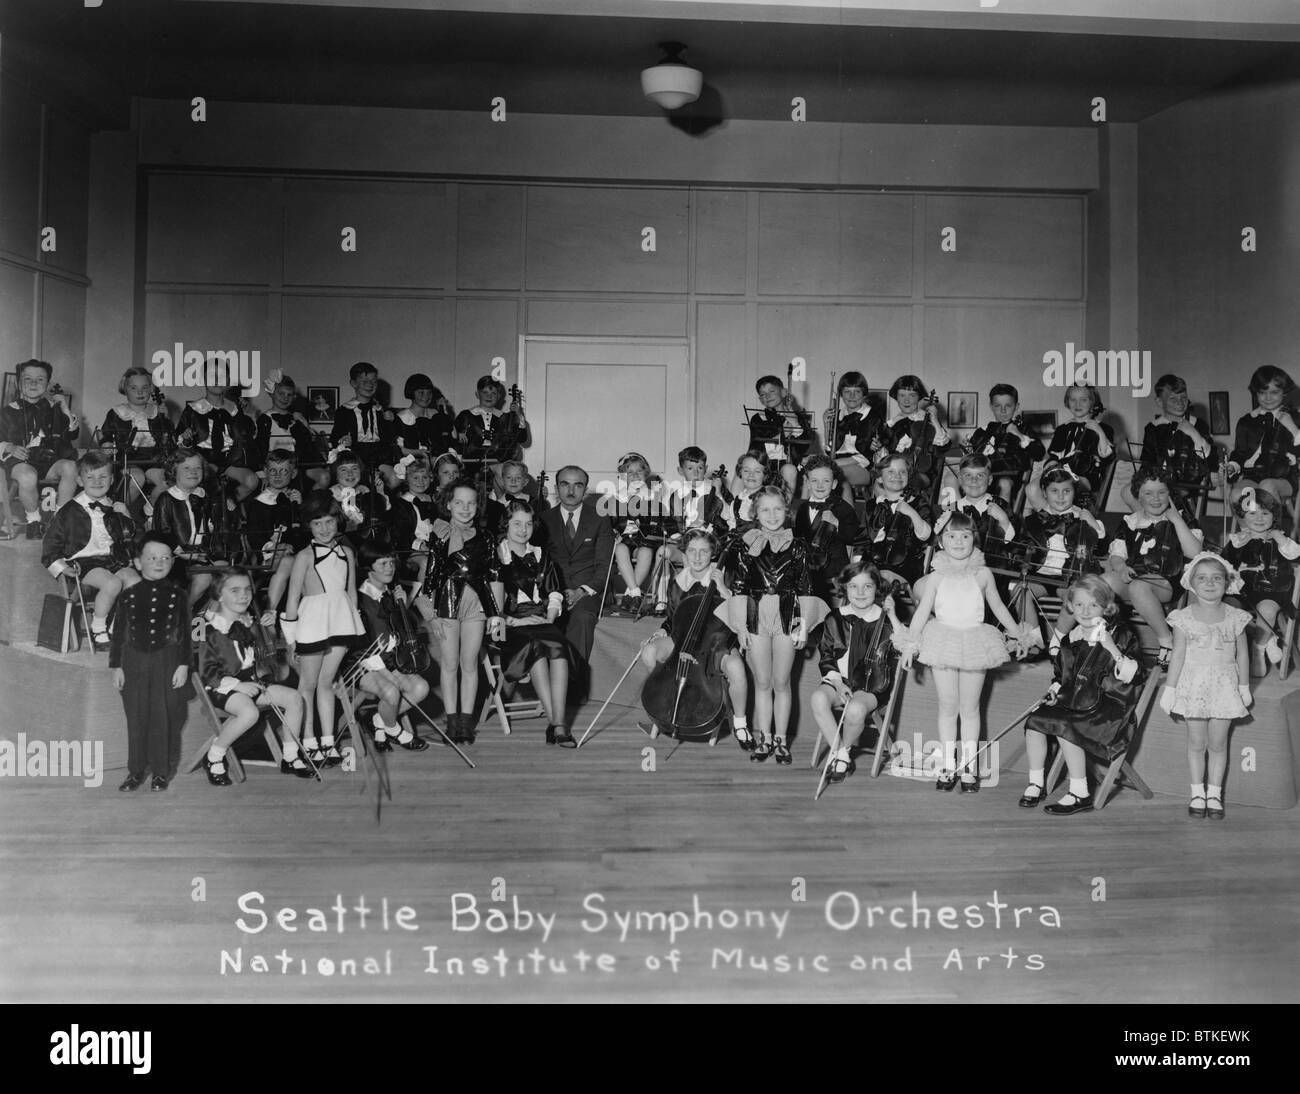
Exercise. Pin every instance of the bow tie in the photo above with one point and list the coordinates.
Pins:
(819, 506)
(321, 551)
(758, 538)
(285, 420)
(101, 506)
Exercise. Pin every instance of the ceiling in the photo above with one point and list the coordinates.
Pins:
(386, 56)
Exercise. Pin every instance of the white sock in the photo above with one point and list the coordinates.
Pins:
(216, 752)
(1079, 787)
(289, 752)
(327, 741)
(740, 722)
(1198, 790)
(633, 591)
(99, 624)
(33, 517)
(1212, 791)
(842, 754)
(1273, 650)
(310, 743)
(1036, 782)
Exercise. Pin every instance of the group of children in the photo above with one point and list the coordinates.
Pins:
(831, 569)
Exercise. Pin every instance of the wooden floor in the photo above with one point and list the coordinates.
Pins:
(112, 896)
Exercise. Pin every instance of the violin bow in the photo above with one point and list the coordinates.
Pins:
(830, 756)
(626, 673)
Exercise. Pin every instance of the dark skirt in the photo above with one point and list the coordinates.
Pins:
(525, 646)
(1102, 733)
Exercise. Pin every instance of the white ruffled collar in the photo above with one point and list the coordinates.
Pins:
(180, 495)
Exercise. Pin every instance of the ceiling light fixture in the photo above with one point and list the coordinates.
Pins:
(671, 83)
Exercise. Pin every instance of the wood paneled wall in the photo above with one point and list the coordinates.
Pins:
(448, 275)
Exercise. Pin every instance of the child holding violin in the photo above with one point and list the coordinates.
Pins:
(827, 523)
(1266, 558)
(412, 518)
(895, 522)
(858, 662)
(772, 611)
(533, 599)
(459, 594)
(396, 652)
(699, 588)
(423, 427)
(1004, 443)
(239, 672)
(916, 429)
(284, 429)
(490, 431)
(141, 434)
(1082, 443)
(855, 435)
(1267, 441)
(781, 430)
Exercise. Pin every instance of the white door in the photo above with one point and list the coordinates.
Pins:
(589, 402)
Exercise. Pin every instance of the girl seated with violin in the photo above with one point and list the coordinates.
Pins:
(826, 522)
(693, 597)
(422, 427)
(142, 434)
(412, 518)
(1083, 444)
(394, 664)
(240, 672)
(855, 434)
(363, 507)
(772, 611)
(857, 660)
(916, 429)
(895, 522)
(633, 552)
(533, 600)
(459, 594)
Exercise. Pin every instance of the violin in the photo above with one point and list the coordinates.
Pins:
(540, 489)
(412, 653)
(679, 695)
(880, 657)
(516, 398)
(929, 400)
(266, 658)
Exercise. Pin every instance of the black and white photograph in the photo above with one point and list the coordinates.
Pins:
(705, 507)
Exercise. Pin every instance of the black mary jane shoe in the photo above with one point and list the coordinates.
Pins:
(970, 784)
(216, 777)
(298, 766)
(1194, 810)
(840, 770)
(385, 745)
(1028, 802)
(468, 729)
(316, 756)
(762, 749)
(35, 530)
(559, 735)
(781, 752)
(159, 783)
(132, 782)
(331, 756)
(947, 781)
(1214, 807)
(415, 744)
(744, 738)
(1065, 808)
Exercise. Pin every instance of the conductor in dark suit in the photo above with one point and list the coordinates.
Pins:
(581, 544)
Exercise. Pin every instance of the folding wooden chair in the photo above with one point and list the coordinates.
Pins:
(1121, 767)
(505, 709)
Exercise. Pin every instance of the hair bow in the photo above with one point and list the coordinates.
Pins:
(399, 468)
(272, 378)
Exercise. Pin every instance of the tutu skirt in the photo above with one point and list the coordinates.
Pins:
(327, 619)
(972, 648)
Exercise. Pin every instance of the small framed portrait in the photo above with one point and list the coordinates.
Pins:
(1040, 424)
(322, 402)
(878, 400)
(10, 390)
(963, 406)
(1220, 415)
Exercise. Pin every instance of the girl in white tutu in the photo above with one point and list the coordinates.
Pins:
(320, 620)
(957, 644)
(1209, 675)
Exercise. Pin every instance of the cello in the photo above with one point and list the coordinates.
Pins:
(679, 695)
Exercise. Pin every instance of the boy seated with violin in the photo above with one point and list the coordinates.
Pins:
(697, 636)
(1011, 452)
(827, 523)
(396, 654)
(284, 429)
(364, 427)
(695, 500)
(1178, 442)
(37, 437)
(490, 432)
(272, 522)
(781, 430)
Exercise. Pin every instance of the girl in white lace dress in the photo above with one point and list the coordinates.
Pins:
(957, 644)
(1209, 675)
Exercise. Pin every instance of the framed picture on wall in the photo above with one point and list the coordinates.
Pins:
(963, 406)
(10, 390)
(322, 402)
(1220, 415)
(878, 400)
(1040, 424)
